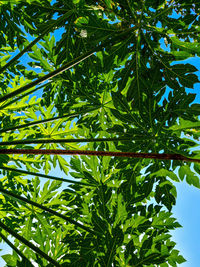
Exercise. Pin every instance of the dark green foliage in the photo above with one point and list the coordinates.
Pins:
(107, 69)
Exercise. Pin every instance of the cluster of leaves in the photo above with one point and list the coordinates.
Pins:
(107, 69)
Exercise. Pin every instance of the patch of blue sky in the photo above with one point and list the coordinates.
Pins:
(187, 209)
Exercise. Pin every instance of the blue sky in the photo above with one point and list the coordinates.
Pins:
(187, 209)
(188, 214)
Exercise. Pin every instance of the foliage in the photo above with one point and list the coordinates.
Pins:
(96, 69)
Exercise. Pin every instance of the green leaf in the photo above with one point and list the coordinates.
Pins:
(191, 178)
(166, 173)
(184, 125)
(10, 259)
(81, 21)
(189, 47)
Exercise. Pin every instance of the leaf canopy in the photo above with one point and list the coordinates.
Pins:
(116, 73)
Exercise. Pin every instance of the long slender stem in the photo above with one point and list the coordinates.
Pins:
(33, 123)
(64, 140)
(65, 67)
(29, 46)
(35, 204)
(14, 248)
(22, 96)
(29, 244)
(48, 76)
(163, 156)
(18, 98)
(44, 176)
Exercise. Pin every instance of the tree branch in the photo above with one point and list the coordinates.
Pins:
(163, 156)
